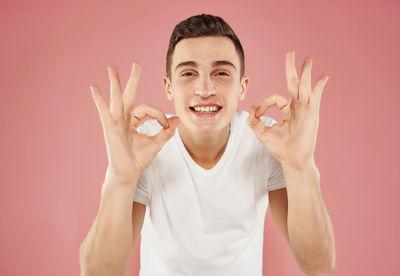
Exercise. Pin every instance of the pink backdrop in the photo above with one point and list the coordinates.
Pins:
(53, 157)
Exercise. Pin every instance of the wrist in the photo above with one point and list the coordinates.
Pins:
(114, 182)
(308, 165)
(113, 188)
(118, 179)
(308, 169)
(307, 175)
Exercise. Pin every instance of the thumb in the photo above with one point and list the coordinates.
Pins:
(252, 120)
(166, 133)
(255, 123)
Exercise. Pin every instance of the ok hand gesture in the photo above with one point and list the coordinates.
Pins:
(129, 152)
(292, 142)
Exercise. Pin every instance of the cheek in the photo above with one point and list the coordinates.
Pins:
(181, 98)
(228, 89)
(183, 86)
(182, 92)
(228, 84)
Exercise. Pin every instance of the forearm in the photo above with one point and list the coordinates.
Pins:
(109, 242)
(310, 230)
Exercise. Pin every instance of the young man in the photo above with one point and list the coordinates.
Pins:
(202, 178)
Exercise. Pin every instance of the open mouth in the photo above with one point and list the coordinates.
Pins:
(206, 109)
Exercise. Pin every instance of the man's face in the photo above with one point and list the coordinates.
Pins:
(205, 71)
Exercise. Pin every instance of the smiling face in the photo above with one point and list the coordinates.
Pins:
(205, 83)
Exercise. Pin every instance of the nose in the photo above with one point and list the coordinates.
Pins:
(205, 87)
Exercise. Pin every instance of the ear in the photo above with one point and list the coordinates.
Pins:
(167, 88)
(243, 83)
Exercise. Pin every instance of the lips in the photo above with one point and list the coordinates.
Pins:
(205, 105)
(205, 108)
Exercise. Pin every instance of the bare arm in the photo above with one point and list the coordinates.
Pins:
(310, 229)
(292, 142)
(107, 246)
(304, 221)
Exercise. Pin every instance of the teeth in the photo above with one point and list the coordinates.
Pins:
(206, 109)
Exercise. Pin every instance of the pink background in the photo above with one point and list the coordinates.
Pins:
(53, 157)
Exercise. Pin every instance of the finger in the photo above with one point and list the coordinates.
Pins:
(101, 105)
(144, 110)
(305, 80)
(272, 100)
(166, 133)
(255, 123)
(315, 98)
(286, 111)
(115, 91)
(131, 87)
(292, 80)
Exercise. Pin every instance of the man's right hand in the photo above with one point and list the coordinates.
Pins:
(129, 152)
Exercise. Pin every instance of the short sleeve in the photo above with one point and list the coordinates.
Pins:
(276, 178)
(142, 194)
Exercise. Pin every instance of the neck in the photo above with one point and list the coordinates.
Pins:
(205, 149)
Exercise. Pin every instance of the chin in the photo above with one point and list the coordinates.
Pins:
(208, 128)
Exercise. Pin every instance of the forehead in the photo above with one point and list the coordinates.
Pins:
(205, 50)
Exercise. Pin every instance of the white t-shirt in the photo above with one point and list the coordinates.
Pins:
(207, 222)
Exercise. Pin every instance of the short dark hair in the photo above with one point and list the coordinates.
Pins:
(202, 25)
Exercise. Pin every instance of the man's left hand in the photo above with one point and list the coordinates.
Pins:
(292, 141)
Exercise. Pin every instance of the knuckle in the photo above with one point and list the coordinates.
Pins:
(146, 106)
(140, 107)
(301, 103)
(136, 111)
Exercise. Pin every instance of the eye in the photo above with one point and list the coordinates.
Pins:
(222, 73)
(187, 74)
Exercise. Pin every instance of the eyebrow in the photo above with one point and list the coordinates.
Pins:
(214, 64)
